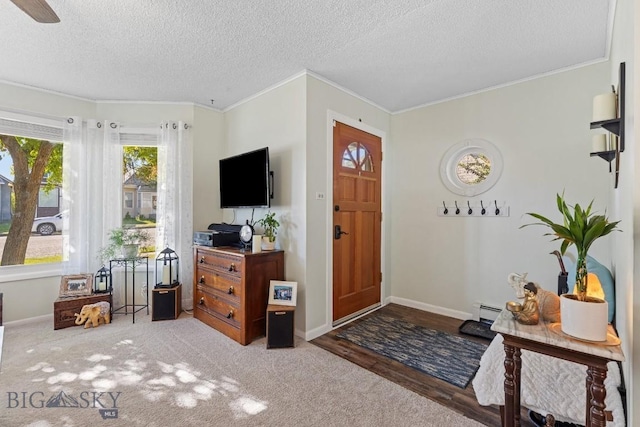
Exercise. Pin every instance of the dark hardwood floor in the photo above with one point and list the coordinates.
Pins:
(460, 400)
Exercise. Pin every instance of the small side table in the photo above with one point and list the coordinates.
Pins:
(130, 264)
(166, 303)
(541, 339)
(280, 321)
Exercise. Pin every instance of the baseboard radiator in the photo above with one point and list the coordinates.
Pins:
(485, 313)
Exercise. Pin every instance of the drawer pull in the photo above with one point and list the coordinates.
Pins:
(202, 260)
(230, 291)
(201, 280)
(232, 267)
(230, 315)
(201, 301)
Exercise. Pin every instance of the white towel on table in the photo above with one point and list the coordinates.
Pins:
(548, 385)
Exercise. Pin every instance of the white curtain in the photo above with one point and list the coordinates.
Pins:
(92, 188)
(174, 215)
(92, 177)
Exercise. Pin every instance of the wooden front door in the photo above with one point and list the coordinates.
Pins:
(357, 216)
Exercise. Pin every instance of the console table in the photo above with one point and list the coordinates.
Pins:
(542, 339)
(131, 264)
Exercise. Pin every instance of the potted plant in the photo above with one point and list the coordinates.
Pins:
(270, 225)
(581, 228)
(124, 242)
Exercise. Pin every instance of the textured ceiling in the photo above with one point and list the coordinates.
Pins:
(398, 54)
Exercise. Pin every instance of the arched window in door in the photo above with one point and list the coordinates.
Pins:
(356, 156)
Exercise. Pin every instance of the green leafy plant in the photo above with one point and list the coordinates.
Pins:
(579, 227)
(270, 225)
(121, 237)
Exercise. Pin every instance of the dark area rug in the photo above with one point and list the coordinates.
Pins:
(477, 329)
(444, 356)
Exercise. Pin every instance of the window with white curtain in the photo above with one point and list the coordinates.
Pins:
(36, 241)
(92, 186)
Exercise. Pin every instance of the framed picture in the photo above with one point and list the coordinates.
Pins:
(76, 285)
(282, 293)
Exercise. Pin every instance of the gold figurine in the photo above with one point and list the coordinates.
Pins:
(526, 313)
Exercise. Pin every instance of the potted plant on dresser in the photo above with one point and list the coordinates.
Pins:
(270, 225)
(582, 316)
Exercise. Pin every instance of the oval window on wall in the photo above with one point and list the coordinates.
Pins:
(471, 167)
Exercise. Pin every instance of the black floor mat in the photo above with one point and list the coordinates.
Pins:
(477, 329)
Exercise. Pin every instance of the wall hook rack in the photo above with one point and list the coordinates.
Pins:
(474, 209)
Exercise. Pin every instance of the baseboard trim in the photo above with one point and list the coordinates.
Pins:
(431, 308)
(29, 320)
(315, 333)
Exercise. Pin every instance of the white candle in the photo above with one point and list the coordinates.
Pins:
(604, 107)
(599, 143)
(257, 243)
(166, 279)
(102, 286)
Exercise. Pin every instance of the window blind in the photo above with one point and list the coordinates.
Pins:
(30, 130)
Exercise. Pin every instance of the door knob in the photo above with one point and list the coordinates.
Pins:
(337, 232)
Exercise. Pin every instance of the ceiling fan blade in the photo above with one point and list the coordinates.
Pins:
(38, 10)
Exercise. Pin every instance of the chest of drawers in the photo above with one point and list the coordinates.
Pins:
(231, 287)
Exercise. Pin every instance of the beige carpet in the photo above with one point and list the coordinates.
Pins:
(183, 373)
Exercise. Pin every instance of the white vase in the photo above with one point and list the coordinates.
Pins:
(268, 245)
(130, 251)
(586, 320)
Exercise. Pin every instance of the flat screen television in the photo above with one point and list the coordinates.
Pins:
(245, 180)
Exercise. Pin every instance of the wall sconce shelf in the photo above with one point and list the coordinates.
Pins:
(606, 155)
(616, 127)
(612, 126)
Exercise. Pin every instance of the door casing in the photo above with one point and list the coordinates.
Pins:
(356, 123)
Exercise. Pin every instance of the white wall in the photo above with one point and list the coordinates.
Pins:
(39, 102)
(276, 119)
(208, 148)
(625, 202)
(542, 129)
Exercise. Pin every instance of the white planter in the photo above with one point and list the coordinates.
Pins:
(130, 251)
(586, 320)
(268, 245)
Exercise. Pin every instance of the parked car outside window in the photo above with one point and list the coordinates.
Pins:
(48, 225)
